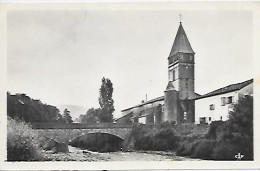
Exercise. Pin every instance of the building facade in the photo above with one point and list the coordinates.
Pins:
(216, 105)
(180, 103)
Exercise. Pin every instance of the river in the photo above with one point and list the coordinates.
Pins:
(77, 154)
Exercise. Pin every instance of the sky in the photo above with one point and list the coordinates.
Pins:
(60, 57)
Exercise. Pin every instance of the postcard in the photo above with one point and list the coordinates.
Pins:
(129, 85)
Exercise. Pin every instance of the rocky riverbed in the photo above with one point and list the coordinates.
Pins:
(76, 154)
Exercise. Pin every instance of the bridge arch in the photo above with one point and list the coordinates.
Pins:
(67, 135)
(100, 141)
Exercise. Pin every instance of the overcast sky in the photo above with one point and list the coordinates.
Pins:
(60, 57)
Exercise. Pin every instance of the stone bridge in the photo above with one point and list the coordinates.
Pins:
(68, 132)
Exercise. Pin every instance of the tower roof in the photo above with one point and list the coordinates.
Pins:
(170, 86)
(181, 43)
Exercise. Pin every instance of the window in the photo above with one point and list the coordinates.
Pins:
(171, 75)
(202, 120)
(187, 83)
(223, 101)
(181, 56)
(220, 117)
(212, 107)
(185, 116)
(176, 73)
(191, 57)
(230, 99)
(209, 118)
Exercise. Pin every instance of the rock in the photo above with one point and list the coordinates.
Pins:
(61, 147)
(50, 144)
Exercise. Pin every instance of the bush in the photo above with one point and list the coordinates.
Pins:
(224, 140)
(166, 139)
(185, 149)
(143, 137)
(203, 149)
(22, 142)
(217, 130)
(190, 129)
(224, 151)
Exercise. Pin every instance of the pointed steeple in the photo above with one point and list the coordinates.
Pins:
(181, 43)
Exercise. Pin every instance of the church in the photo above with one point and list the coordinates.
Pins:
(180, 104)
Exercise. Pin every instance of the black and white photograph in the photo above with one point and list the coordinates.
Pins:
(129, 82)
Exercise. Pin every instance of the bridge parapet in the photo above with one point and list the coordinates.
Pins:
(67, 134)
(79, 126)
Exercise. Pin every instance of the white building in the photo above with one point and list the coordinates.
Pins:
(217, 104)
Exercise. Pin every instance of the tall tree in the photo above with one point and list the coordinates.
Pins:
(66, 116)
(105, 101)
(240, 125)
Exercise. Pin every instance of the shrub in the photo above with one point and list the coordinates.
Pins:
(224, 150)
(224, 139)
(202, 149)
(143, 137)
(217, 130)
(190, 129)
(185, 149)
(166, 139)
(22, 142)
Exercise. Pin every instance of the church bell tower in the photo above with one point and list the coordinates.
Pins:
(179, 106)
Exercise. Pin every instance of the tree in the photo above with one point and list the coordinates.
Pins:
(105, 101)
(240, 125)
(241, 118)
(92, 115)
(59, 119)
(66, 116)
(21, 106)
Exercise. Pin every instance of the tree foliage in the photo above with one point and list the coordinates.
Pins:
(22, 142)
(106, 101)
(66, 116)
(226, 139)
(241, 118)
(22, 107)
(91, 116)
(240, 126)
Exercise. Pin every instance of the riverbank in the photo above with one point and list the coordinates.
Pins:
(76, 154)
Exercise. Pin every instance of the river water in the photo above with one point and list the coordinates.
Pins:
(77, 154)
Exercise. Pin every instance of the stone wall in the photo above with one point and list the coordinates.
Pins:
(67, 135)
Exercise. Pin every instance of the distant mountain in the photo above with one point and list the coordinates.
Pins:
(75, 111)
